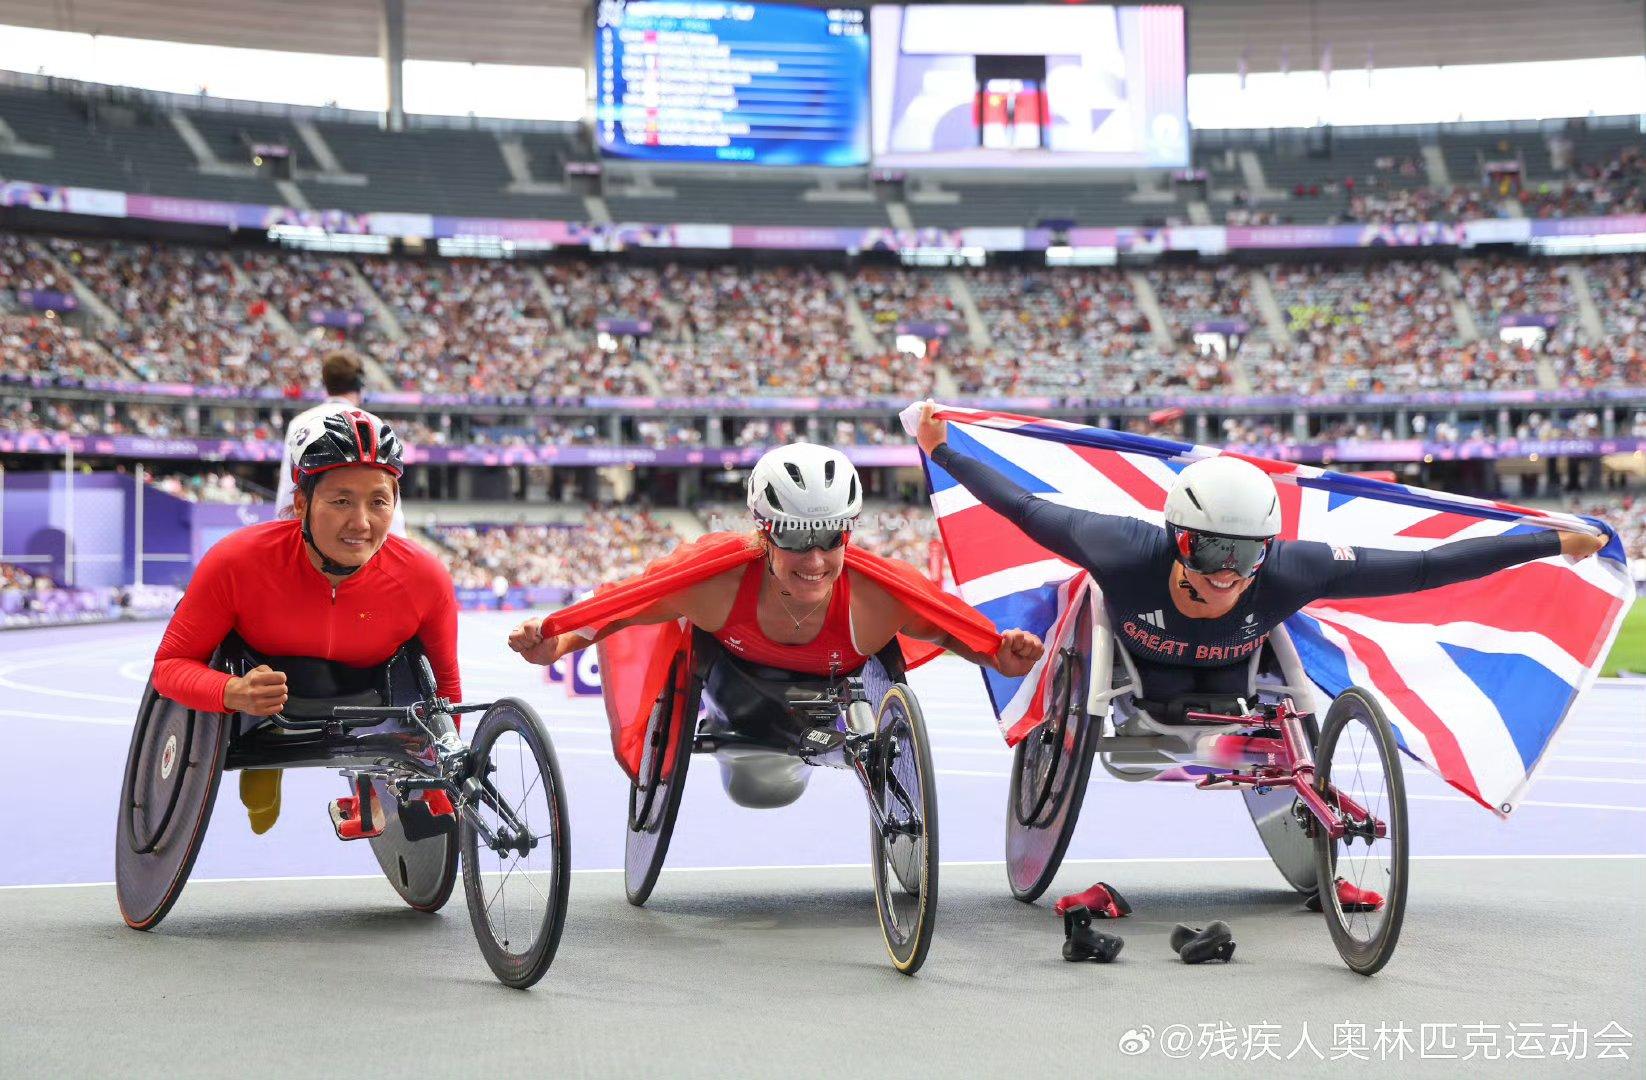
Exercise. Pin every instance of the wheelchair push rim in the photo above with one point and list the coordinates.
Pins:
(1040, 758)
(903, 839)
(654, 797)
(516, 890)
(173, 769)
(1359, 759)
(1035, 847)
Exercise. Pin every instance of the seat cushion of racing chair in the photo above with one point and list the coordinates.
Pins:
(315, 686)
(1175, 713)
(754, 702)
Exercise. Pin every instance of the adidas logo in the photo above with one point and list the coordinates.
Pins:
(1155, 618)
(736, 643)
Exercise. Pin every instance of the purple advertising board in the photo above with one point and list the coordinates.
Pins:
(625, 326)
(785, 404)
(902, 455)
(1207, 239)
(341, 320)
(1547, 320)
(48, 300)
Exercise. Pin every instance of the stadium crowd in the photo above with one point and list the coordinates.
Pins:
(605, 546)
(512, 330)
(207, 487)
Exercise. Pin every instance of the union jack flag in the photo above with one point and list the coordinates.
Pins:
(1475, 678)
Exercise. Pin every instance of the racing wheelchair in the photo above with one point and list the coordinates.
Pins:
(1328, 800)
(768, 729)
(423, 798)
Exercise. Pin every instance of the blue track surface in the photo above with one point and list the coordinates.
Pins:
(67, 698)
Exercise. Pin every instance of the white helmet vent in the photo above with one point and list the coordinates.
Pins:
(1224, 495)
(804, 483)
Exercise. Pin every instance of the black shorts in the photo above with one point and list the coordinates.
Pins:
(750, 700)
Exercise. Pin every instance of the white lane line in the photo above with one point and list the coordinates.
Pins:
(1632, 744)
(1535, 802)
(1600, 759)
(1414, 776)
(1130, 860)
(61, 719)
(67, 649)
(1459, 799)
(28, 688)
(104, 721)
(137, 671)
(1585, 806)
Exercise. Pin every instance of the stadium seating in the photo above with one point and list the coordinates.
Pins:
(606, 546)
(501, 328)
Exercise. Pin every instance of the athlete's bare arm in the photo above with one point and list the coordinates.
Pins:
(705, 605)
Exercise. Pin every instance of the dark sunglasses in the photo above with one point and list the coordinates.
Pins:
(804, 538)
(1211, 553)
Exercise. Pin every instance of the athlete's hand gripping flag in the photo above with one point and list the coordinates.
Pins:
(1475, 677)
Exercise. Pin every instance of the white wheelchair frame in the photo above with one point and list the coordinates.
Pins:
(1142, 747)
(1137, 747)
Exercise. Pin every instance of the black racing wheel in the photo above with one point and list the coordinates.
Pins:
(903, 842)
(1050, 770)
(654, 796)
(1359, 762)
(173, 770)
(516, 878)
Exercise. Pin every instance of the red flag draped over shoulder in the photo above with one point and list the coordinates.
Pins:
(635, 661)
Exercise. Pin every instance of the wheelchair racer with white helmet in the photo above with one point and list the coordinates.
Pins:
(1192, 614)
(793, 646)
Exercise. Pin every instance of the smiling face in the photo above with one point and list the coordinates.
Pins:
(350, 512)
(1209, 595)
(806, 576)
(1222, 583)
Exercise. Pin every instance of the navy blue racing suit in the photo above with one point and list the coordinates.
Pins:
(1131, 561)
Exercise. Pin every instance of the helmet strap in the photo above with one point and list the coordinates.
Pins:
(327, 567)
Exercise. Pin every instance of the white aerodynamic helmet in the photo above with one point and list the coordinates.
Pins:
(1221, 514)
(1226, 496)
(805, 485)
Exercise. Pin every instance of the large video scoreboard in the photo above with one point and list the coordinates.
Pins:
(762, 84)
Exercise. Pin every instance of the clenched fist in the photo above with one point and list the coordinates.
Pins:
(1580, 545)
(259, 692)
(1018, 652)
(527, 639)
(932, 432)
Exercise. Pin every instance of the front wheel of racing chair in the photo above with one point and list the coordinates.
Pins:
(903, 829)
(517, 868)
(1051, 768)
(1358, 773)
(654, 796)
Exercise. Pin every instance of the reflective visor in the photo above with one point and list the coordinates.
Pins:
(806, 537)
(1209, 553)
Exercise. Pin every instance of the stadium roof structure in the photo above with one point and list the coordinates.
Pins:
(1268, 33)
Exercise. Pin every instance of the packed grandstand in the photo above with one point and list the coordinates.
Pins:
(1491, 369)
